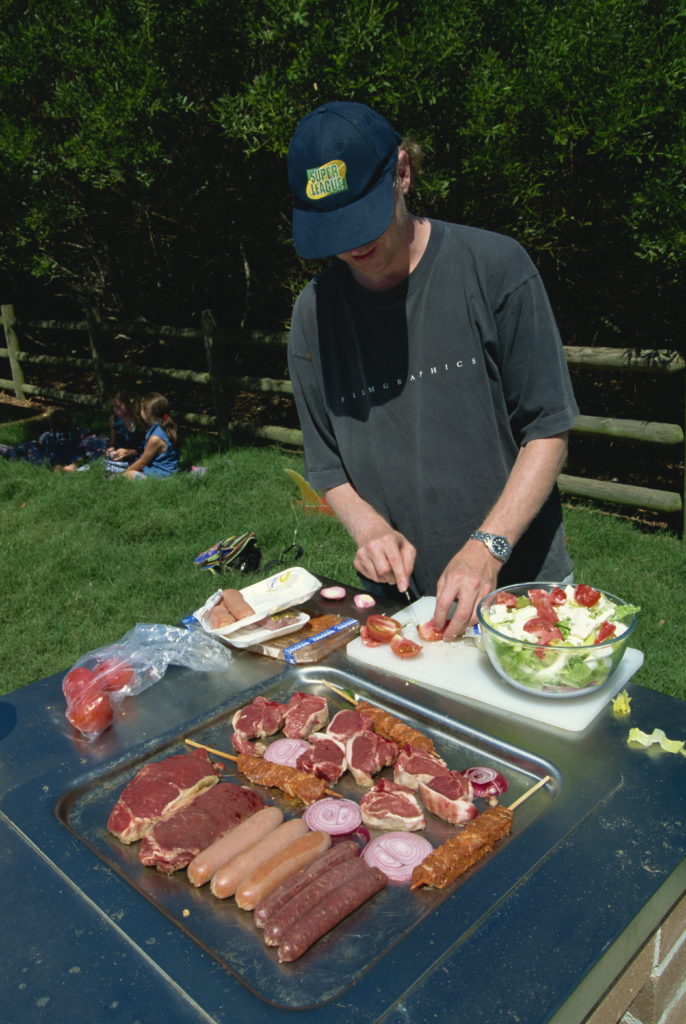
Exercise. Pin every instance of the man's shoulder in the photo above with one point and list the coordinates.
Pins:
(481, 241)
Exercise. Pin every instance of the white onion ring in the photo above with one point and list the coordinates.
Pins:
(397, 854)
(285, 751)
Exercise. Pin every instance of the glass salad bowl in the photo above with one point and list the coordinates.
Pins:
(553, 640)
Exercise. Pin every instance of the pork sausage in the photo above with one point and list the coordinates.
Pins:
(249, 832)
(236, 605)
(281, 923)
(265, 878)
(229, 876)
(330, 911)
(266, 908)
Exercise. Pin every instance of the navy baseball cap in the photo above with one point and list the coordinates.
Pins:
(341, 163)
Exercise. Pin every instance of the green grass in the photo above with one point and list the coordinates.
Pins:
(84, 557)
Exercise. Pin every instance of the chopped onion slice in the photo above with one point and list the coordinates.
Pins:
(338, 817)
(333, 593)
(364, 601)
(286, 751)
(397, 854)
(486, 782)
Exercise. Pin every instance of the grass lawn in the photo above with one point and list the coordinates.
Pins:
(83, 557)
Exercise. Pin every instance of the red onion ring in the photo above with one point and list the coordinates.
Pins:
(486, 782)
(285, 751)
(397, 854)
(338, 817)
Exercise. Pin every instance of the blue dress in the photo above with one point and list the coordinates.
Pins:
(168, 461)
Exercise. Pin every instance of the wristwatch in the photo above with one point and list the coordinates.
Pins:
(497, 545)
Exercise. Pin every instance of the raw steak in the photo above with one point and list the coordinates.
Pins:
(449, 796)
(348, 723)
(367, 754)
(259, 718)
(305, 714)
(172, 844)
(158, 790)
(414, 766)
(325, 758)
(243, 745)
(392, 807)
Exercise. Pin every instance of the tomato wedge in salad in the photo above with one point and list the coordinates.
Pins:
(382, 628)
(403, 647)
(585, 595)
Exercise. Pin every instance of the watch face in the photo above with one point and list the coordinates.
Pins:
(500, 548)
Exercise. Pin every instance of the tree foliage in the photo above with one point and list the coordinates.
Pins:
(144, 145)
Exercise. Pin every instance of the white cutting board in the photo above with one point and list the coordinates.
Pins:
(462, 670)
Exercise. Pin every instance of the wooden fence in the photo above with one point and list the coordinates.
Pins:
(224, 382)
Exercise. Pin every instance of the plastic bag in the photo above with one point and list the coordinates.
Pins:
(105, 676)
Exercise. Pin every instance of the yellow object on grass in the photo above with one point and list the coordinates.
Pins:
(657, 736)
(621, 704)
(312, 502)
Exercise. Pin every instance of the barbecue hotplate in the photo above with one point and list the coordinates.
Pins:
(405, 932)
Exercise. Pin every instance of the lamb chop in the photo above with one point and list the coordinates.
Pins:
(158, 790)
(449, 796)
(258, 719)
(367, 753)
(414, 766)
(348, 723)
(305, 713)
(325, 758)
(393, 807)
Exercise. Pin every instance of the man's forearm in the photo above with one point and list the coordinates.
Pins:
(530, 482)
(356, 514)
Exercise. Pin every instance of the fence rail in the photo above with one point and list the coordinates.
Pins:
(223, 381)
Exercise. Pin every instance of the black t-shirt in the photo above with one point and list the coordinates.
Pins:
(421, 396)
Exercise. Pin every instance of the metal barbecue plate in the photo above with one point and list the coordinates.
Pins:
(62, 817)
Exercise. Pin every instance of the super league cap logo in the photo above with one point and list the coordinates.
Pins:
(325, 180)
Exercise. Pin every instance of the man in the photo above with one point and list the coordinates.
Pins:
(428, 374)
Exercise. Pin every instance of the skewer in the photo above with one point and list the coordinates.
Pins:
(339, 692)
(530, 792)
(232, 757)
(390, 727)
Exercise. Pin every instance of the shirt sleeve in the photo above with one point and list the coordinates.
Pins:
(323, 464)
(535, 378)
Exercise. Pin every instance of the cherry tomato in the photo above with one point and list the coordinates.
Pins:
(585, 595)
(382, 628)
(505, 597)
(114, 674)
(558, 595)
(543, 603)
(605, 631)
(403, 647)
(77, 682)
(366, 639)
(428, 632)
(91, 714)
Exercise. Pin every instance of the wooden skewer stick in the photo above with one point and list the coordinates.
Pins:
(530, 792)
(232, 757)
(339, 692)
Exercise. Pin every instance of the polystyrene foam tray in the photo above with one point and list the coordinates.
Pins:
(283, 590)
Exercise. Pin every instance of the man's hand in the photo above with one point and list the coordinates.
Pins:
(469, 575)
(386, 556)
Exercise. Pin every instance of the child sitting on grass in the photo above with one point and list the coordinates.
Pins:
(160, 456)
(126, 436)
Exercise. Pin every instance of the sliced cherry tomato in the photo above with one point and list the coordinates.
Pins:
(543, 603)
(506, 598)
(558, 595)
(403, 647)
(366, 639)
(428, 632)
(585, 595)
(114, 674)
(78, 682)
(93, 714)
(542, 630)
(605, 631)
(382, 628)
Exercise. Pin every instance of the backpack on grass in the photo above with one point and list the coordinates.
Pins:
(239, 551)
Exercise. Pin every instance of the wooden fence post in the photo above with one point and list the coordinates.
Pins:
(216, 368)
(96, 337)
(12, 344)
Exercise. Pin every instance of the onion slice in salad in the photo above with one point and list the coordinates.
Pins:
(397, 854)
(486, 783)
(285, 751)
